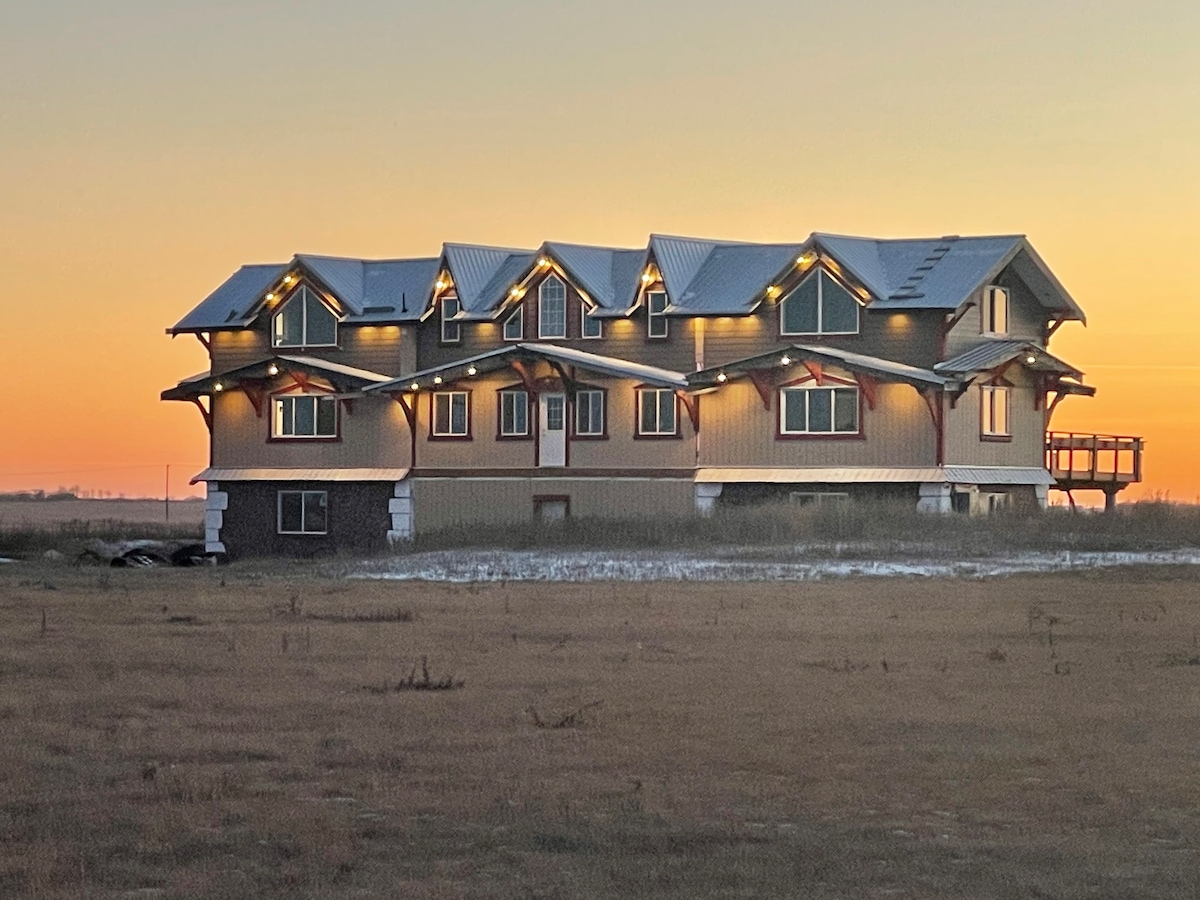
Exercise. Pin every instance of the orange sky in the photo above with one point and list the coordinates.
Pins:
(148, 150)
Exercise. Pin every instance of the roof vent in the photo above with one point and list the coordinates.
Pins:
(908, 290)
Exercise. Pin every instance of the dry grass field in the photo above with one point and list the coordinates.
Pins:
(238, 732)
(46, 513)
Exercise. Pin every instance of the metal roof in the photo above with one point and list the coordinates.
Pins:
(609, 276)
(987, 355)
(203, 384)
(483, 275)
(872, 365)
(733, 278)
(1006, 475)
(218, 473)
(228, 304)
(501, 357)
(679, 259)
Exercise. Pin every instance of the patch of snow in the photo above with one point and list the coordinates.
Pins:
(589, 565)
(5, 559)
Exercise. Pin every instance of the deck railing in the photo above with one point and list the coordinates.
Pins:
(1093, 460)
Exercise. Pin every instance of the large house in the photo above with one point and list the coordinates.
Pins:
(355, 402)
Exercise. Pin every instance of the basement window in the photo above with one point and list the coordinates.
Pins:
(303, 512)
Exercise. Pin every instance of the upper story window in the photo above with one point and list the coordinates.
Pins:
(592, 327)
(451, 330)
(993, 412)
(818, 410)
(589, 413)
(656, 317)
(818, 305)
(657, 412)
(304, 416)
(552, 308)
(304, 321)
(995, 310)
(514, 325)
(451, 414)
(514, 414)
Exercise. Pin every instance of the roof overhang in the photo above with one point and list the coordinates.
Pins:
(990, 355)
(218, 473)
(984, 475)
(345, 379)
(875, 367)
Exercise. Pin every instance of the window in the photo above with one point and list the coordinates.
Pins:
(993, 413)
(819, 305)
(589, 413)
(592, 327)
(304, 416)
(514, 325)
(656, 318)
(451, 331)
(818, 410)
(995, 310)
(514, 414)
(303, 512)
(451, 416)
(304, 321)
(656, 411)
(552, 309)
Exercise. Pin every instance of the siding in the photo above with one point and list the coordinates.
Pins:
(385, 349)
(445, 502)
(374, 434)
(735, 430)
(964, 445)
(1026, 317)
(358, 518)
(483, 450)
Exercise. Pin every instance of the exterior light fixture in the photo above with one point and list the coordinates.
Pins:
(272, 369)
(288, 279)
(437, 379)
(515, 291)
(440, 284)
(1031, 359)
(270, 297)
(414, 386)
(803, 259)
(721, 377)
(543, 262)
(773, 291)
(218, 387)
(786, 361)
(647, 278)
(471, 370)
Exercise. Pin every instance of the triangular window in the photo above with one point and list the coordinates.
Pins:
(304, 321)
(819, 305)
(514, 326)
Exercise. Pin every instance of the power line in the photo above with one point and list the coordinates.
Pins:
(14, 473)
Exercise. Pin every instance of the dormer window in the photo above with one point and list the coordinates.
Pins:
(304, 321)
(818, 305)
(514, 325)
(451, 330)
(656, 314)
(995, 310)
(552, 308)
(591, 327)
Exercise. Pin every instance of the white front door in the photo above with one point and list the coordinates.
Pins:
(552, 425)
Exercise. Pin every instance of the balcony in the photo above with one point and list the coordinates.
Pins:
(1098, 462)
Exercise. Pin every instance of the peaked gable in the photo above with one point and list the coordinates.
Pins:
(480, 272)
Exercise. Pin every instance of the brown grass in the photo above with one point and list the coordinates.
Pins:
(203, 733)
(43, 513)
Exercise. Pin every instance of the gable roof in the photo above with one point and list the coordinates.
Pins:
(990, 354)
(610, 276)
(482, 275)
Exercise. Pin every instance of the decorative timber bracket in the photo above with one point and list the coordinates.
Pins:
(692, 404)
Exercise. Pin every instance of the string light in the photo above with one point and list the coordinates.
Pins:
(543, 262)
(721, 377)
(647, 278)
(288, 279)
(218, 387)
(440, 284)
(471, 370)
(1031, 360)
(437, 379)
(270, 297)
(414, 386)
(786, 361)
(515, 292)
(272, 369)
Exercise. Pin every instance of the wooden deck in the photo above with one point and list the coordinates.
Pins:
(1100, 462)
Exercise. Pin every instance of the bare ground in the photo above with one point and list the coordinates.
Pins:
(237, 733)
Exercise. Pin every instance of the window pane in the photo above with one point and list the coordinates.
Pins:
(666, 412)
(285, 416)
(315, 512)
(450, 330)
(649, 411)
(506, 413)
(512, 326)
(845, 409)
(306, 418)
(458, 414)
(1000, 311)
(520, 412)
(554, 412)
(326, 417)
(589, 418)
(552, 308)
(795, 417)
(838, 308)
(1000, 401)
(799, 314)
(291, 511)
(441, 413)
(820, 410)
(289, 322)
(592, 327)
(321, 325)
(656, 302)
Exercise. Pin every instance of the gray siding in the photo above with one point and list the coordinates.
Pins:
(385, 349)
(1026, 317)
(966, 446)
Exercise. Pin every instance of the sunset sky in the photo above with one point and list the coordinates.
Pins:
(147, 149)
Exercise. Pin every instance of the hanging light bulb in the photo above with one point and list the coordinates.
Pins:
(721, 377)
(437, 379)
(786, 361)
(471, 370)
(414, 386)
(218, 387)
(272, 369)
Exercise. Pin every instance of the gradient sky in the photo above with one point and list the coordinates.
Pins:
(147, 149)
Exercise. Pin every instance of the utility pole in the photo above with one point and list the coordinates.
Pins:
(167, 495)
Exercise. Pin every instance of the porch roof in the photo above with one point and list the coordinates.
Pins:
(988, 355)
(504, 356)
(221, 473)
(341, 377)
(885, 369)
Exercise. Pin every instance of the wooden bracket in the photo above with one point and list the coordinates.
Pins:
(868, 386)
(206, 342)
(933, 400)
(1054, 326)
(692, 404)
(348, 404)
(204, 412)
(815, 370)
(764, 382)
(525, 373)
(410, 409)
(948, 326)
(255, 394)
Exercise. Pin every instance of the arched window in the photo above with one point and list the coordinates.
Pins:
(552, 308)
(304, 321)
(818, 305)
